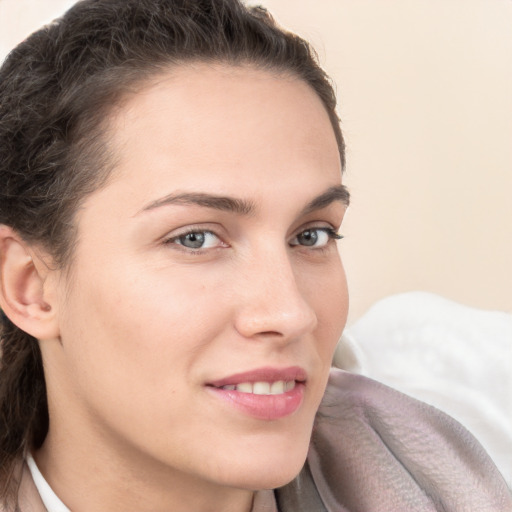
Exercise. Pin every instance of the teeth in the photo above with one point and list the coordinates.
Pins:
(244, 387)
(277, 388)
(289, 385)
(263, 388)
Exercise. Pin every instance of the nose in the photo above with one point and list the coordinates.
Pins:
(271, 303)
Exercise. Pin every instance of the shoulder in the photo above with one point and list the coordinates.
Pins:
(376, 449)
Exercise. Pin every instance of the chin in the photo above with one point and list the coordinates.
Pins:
(269, 469)
(268, 479)
(277, 478)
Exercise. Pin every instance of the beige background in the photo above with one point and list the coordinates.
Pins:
(425, 91)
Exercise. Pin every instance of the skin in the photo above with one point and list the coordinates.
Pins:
(142, 323)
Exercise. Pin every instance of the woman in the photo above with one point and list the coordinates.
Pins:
(172, 289)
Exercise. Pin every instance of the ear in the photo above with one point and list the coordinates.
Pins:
(24, 287)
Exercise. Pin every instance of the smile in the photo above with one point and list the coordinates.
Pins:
(262, 388)
(264, 394)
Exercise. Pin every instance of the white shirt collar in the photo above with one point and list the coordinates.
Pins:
(49, 498)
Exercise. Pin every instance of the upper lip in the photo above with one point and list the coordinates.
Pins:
(267, 374)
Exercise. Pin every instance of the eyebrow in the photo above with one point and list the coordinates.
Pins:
(242, 206)
(332, 194)
(224, 203)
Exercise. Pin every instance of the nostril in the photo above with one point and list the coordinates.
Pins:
(270, 333)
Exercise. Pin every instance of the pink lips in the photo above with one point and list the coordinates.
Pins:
(263, 406)
(263, 374)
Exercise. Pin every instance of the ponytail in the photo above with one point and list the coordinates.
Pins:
(23, 404)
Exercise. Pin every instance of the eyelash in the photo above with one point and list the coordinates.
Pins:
(193, 231)
(331, 235)
(330, 232)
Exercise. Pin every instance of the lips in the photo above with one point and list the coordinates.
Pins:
(265, 393)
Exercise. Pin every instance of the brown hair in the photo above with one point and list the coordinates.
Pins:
(56, 89)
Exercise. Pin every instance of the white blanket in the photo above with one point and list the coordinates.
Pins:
(457, 358)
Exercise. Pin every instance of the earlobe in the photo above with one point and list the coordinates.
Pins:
(22, 287)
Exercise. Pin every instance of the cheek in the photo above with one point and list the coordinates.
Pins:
(146, 325)
(140, 318)
(131, 347)
(328, 294)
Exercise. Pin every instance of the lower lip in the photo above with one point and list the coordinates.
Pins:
(263, 407)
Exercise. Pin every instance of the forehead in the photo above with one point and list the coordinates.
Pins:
(217, 124)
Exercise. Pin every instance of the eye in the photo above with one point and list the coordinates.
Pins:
(196, 240)
(315, 237)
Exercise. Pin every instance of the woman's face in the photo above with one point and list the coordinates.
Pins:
(207, 294)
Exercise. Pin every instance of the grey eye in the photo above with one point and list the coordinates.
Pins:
(192, 240)
(309, 237)
(195, 240)
(315, 237)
